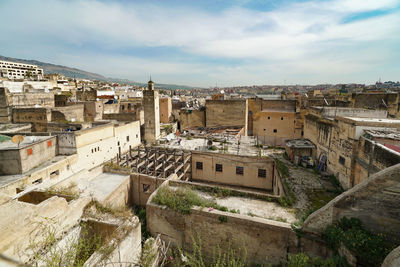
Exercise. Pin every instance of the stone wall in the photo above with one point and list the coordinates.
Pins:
(227, 113)
(372, 157)
(374, 201)
(192, 118)
(37, 116)
(165, 109)
(374, 101)
(265, 241)
(72, 113)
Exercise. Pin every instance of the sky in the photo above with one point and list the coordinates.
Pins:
(207, 43)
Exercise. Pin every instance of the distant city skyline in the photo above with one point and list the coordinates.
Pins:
(203, 43)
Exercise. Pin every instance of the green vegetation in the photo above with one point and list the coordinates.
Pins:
(115, 166)
(168, 128)
(148, 253)
(66, 191)
(189, 137)
(369, 248)
(213, 148)
(141, 213)
(335, 182)
(303, 260)
(121, 211)
(74, 252)
(183, 199)
(228, 257)
(222, 218)
(289, 200)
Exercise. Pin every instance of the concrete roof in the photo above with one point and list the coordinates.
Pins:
(28, 140)
(395, 135)
(300, 143)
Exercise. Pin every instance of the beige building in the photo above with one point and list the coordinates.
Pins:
(336, 140)
(165, 109)
(232, 170)
(377, 150)
(274, 121)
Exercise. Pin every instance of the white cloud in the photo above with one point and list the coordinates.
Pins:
(295, 38)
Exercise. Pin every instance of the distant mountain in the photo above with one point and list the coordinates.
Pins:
(81, 74)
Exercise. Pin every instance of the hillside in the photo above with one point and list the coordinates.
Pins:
(81, 74)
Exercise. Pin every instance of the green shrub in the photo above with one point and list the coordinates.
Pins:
(369, 248)
(183, 199)
(223, 218)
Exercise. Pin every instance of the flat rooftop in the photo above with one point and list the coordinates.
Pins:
(28, 140)
(101, 186)
(395, 135)
(373, 120)
(250, 206)
(14, 127)
(300, 143)
(9, 179)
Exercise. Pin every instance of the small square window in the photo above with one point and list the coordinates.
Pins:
(262, 173)
(269, 118)
(281, 118)
(218, 167)
(127, 138)
(118, 143)
(342, 160)
(29, 151)
(264, 129)
(275, 130)
(199, 165)
(239, 170)
(146, 188)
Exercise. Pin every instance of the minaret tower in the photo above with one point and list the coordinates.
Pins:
(151, 113)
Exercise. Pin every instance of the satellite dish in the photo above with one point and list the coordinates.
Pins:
(17, 139)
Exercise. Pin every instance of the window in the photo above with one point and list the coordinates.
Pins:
(262, 173)
(137, 136)
(127, 138)
(29, 151)
(118, 143)
(218, 167)
(281, 118)
(49, 143)
(275, 130)
(269, 118)
(54, 174)
(146, 188)
(342, 160)
(239, 170)
(199, 165)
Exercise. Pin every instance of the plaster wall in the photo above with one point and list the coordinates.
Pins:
(228, 175)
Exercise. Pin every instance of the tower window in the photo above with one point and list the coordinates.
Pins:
(275, 130)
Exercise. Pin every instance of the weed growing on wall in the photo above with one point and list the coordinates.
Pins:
(369, 248)
(183, 199)
(228, 257)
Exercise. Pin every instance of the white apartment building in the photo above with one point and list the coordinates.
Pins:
(15, 70)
